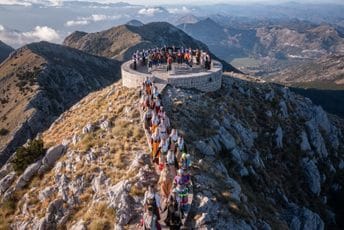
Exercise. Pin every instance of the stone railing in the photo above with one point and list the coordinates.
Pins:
(206, 81)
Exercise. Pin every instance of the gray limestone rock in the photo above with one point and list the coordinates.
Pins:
(303, 218)
(29, 172)
(46, 193)
(316, 139)
(305, 146)
(6, 182)
(312, 175)
(5, 170)
(121, 202)
(279, 137)
(283, 109)
(88, 128)
(52, 155)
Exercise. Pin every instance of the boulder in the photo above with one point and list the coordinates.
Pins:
(246, 135)
(316, 139)
(305, 146)
(98, 181)
(226, 139)
(88, 128)
(312, 175)
(6, 182)
(29, 172)
(121, 202)
(283, 109)
(52, 155)
(105, 125)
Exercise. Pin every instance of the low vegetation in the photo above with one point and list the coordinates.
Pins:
(26, 155)
(4, 132)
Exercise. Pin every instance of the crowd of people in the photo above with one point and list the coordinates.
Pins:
(168, 55)
(171, 161)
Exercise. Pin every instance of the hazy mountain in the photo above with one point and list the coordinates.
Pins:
(5, 51)
(40, 81)
(134, 23)
(187, 19)
(121, 41)
(224, 42)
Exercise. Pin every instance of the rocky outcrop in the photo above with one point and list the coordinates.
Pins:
(303, 218)
(312, 175)
(121, 201)
(51, 156)
(29, 172)
(6, 182)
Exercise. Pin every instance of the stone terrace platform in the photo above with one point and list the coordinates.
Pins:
(181, 75)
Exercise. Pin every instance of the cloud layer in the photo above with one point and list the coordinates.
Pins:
(39, 33)
(182, 10)
(150, 11)
(81, 21)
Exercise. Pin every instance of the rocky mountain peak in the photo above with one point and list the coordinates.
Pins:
(41, 80)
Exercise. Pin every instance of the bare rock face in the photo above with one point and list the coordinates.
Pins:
(6, 182)
(52, 155)
(303, 218)
(55, 216)
(316, 139)
(121, 201)
(29, 172)
(88, 128)
(46, 193)
(312, 175)
(6, 169)
(279, 137)
(304, 146)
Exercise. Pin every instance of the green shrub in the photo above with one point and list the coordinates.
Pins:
(4, 132)
(27, 155)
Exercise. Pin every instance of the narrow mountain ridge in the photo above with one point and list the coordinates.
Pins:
(266, 159)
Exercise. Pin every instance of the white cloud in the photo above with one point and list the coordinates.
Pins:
(183, 10)
(39, 33)
(81, 21)
(76, 23)
(150, 11)
(30, 2)
(98, 17)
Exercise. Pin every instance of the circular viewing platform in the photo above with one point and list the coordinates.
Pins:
(181, 75)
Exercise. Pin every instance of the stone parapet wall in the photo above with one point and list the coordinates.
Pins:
(206, 81)
(132, 78)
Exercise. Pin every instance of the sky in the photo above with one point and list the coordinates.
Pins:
(166, 2)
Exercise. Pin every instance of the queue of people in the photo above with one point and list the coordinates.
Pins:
(168, 55)
(171, 161)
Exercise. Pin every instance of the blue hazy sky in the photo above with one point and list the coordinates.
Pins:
(145, 2)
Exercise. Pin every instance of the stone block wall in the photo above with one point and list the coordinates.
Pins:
(207, 81)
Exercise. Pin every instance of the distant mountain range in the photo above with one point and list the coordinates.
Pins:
(121, 41)
(40, 81)
(293, 41)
